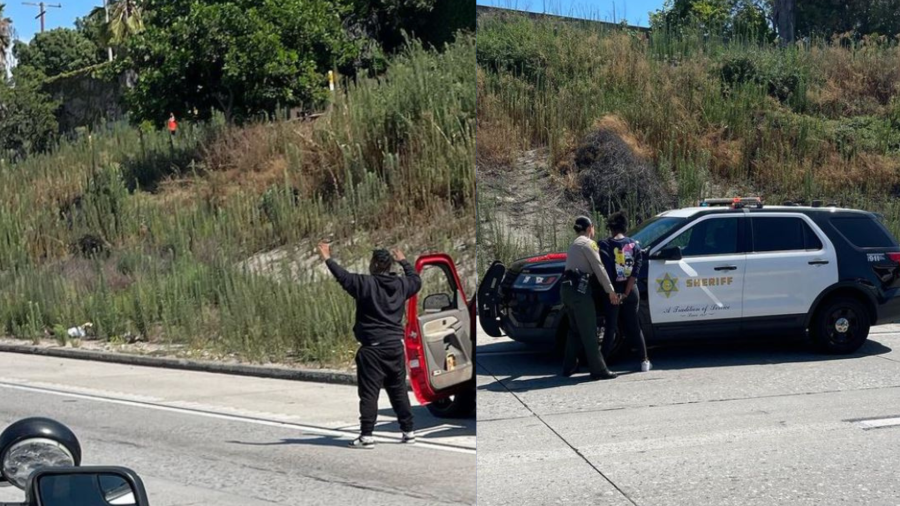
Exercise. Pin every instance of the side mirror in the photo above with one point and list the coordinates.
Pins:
(94, 486)
(437, 302)
(36, 443)
(667, 253)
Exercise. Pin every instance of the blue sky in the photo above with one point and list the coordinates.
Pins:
(23, 16)
(635, 11)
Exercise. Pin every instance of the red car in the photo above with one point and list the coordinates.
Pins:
(440, 340)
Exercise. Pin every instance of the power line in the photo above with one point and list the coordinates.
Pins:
(43, 12)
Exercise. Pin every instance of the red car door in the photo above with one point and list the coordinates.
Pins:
(439, 333)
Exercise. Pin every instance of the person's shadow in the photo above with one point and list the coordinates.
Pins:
(541, 369)
(428, 428)
(428, 425)
(311, 440)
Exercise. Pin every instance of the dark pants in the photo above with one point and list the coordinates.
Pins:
(582, 315)
(377, 367)
(627, 311)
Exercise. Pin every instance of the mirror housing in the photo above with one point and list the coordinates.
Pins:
(65, 486)
(667, 253)
(33, 443)
(437, 302)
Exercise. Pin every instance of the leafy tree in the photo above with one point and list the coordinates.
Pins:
(27, 121)
(386, 20)
(126, 19)
(93, 27)
(730, 18)
(242, 57)
(55, 52)
(864, 17)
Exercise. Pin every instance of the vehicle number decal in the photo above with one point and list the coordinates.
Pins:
(876, 257)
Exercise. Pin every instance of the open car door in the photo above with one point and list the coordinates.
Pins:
(440, 341)
(489, 299)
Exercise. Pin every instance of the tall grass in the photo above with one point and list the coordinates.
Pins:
(817, 119)
(143, 234)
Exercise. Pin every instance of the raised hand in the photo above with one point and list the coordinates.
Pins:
(324, 250)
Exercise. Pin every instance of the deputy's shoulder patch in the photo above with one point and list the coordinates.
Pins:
(594, 246)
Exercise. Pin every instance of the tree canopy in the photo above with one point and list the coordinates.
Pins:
(241, 57)
(56, 52)
(790, 18)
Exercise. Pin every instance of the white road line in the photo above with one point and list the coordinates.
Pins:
(877, 424)
(319, 431)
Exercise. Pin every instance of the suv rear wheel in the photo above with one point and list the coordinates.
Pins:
(461, 405)
(841, 326)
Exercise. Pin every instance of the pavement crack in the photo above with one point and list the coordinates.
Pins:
(561, 438)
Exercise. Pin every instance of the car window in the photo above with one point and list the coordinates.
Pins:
(864, 232)
(783, 234)
(717, 236)
(647, 234)
(438, 291)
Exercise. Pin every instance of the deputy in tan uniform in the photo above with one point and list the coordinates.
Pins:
(583, 263)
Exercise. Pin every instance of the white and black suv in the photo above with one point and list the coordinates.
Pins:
(731, 268)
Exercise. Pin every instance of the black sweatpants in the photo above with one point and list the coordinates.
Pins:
(377, 367)
(628, 312)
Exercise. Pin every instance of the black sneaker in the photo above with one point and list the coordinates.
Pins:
(606, 375)
(364, 442)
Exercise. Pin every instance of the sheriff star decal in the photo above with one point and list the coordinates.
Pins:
(667, 285)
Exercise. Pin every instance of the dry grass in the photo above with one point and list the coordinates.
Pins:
(814, 120)
(855, 80)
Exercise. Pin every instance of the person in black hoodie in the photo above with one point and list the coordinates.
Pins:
(380, 361)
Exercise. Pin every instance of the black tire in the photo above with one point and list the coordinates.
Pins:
(840, 326)
(461, 405)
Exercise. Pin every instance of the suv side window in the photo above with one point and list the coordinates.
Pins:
(783, 234)
(717, 236)
(864, 232)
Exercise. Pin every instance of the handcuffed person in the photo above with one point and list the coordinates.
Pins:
(621, 256)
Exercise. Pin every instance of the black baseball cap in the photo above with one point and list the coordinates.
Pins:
(582, 223)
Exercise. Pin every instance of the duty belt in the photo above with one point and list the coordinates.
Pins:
(574, 275)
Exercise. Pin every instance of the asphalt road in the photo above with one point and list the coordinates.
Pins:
(761, 424)
(211, 439)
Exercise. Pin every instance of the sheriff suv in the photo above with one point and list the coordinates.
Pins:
(730, 268)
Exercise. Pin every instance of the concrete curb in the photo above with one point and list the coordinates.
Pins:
(259, 371)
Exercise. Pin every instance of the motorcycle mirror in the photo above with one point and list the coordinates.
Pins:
(36, 443)
(86, 486)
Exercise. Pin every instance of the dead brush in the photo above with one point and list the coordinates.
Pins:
(857, 78)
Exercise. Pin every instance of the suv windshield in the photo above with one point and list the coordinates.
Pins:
(648, 233)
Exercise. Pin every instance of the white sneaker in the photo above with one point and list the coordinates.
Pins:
(409, 438)
(646, 366)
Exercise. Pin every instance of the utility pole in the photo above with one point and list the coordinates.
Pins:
(43, 12)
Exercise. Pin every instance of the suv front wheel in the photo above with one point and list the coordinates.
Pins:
(840, 326)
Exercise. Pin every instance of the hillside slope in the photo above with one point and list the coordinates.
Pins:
(646, 121)
(164, 239)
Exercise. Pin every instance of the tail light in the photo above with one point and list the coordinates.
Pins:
(535, 281)
(894, 256)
